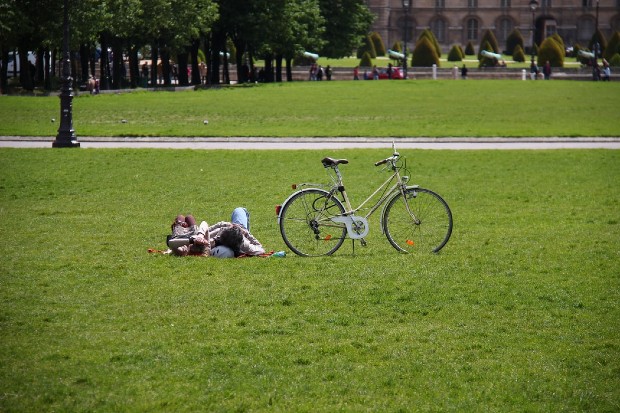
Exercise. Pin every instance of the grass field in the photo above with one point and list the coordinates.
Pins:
(307, 109)
(519, 312)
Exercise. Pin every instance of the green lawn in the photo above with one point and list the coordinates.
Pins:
(519, 312)
(344, 108)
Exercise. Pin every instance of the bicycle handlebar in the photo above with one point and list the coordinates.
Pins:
(390, 159)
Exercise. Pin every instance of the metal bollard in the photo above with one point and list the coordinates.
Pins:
(523, 75)
(434, 71)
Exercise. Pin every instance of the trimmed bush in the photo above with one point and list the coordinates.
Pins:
(377, 42)
(366, 60)
(599, 37)
(455, 54)
(550, 51)
(613, 47)
(615, 60)
(518, 55)
(367, 47)
(397, 47)
(558, 39)
(431, 37)
(469, 49)
(514, 39)
(488, 39)
(424, 54)
(484, 61)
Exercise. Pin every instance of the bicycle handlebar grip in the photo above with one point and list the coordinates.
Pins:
(382, 162)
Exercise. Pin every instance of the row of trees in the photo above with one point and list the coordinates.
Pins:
(273, 30)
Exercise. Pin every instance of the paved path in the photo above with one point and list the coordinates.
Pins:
(321, 143)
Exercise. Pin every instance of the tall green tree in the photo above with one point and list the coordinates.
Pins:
(347, 22)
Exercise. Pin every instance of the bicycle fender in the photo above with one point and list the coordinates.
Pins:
(348, 222)
(387, 202)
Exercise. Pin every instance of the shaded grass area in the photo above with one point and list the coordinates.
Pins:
(385, 108)
(518, 312)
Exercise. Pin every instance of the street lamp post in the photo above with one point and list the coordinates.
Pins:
(533, 7)
(406, 6)
(66, 135)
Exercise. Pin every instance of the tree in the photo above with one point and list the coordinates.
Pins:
(551, 51)
(455, 54)
(488, 42)
(377, 42)
(514, 39)
(431, 37)
(424, 54)
(613, 47)
(346, 24)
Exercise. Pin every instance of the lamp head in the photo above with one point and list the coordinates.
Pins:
(406, 4)
(533, 5)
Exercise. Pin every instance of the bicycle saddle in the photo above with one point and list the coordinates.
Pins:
(330, 162)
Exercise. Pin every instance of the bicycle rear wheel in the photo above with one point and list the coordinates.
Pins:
(306, 226)
(421, 221)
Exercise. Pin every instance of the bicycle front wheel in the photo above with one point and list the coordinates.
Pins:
(306, 225)
(419, 221)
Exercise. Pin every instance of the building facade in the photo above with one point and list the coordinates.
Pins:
(461, 21)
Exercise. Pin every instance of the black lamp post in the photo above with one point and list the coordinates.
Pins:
(533, 7)
(66, 135)
(406, 6)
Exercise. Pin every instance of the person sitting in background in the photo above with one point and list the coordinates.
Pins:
(221, 240)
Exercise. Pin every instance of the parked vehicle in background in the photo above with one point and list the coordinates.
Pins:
(396, 73)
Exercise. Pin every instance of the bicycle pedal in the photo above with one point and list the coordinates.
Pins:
(363, 242)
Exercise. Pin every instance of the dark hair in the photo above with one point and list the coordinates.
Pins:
(232, 238)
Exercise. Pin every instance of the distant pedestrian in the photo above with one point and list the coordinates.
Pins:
(464, 72)
(547, 70)
(356, 73)
(533, 70)
(328, 72)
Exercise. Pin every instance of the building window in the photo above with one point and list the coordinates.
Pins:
(505, 28)
(472, 29)
(472, 4)
(586, 3)
(585, 30)
(440, 4)
(546, 3)
(438, 27)
(505, 4)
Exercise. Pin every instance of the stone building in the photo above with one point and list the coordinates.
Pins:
(461, 21)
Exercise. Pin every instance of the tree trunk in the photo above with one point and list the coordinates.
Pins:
(25, 72)
(4, 81)
(279, 68)
(48, 70)
(195, 68)
(134, 66)
(289, 69)
(154, 67)
(118, 65)
(165, 65)
(268, 67)
(84, 58)
(104, 64)
(182, 68)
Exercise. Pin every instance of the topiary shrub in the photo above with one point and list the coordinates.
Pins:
(558, 39)
(469, 49)
(377, 42)
(455, 54)
(599, 37)
(367, 47)
(484, 61)
(615, 60)
(488, 43)
(518, 55)
(613, 47)
(513, 40)
(424, 54)
(431, 37)
(366, 60)
(550, 51)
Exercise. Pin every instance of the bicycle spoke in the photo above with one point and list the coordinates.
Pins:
(306, 226)
(421, 221)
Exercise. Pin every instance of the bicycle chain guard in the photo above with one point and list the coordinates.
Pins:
(353, 224)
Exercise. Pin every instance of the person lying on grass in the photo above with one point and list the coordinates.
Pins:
(221, 240)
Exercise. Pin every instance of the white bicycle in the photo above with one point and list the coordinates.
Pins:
(316, 219)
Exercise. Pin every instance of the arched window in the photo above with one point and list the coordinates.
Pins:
(472, 29)
(438, 27)
(505, 4)
(585, 30)
(504, 29)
